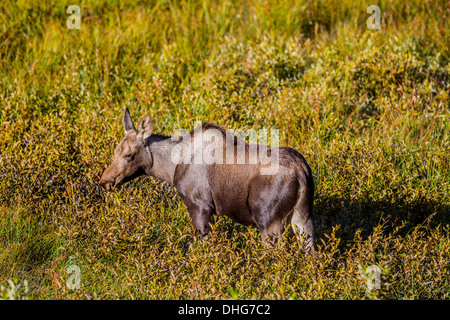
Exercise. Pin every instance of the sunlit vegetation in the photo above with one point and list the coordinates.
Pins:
(368, 109)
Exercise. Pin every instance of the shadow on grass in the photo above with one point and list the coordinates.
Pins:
(352, 215)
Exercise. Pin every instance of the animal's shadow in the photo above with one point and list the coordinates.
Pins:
(353, 215)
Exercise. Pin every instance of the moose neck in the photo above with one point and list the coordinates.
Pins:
(160, 149)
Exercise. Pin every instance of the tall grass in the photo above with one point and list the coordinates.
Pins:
(369, 110)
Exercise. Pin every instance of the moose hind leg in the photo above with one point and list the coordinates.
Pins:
(269, 226)
(271, 232)
(301, 222)
(202, 219)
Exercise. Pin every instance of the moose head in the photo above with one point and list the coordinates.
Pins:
(131, 157)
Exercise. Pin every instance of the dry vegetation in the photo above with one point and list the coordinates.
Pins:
(368, 109)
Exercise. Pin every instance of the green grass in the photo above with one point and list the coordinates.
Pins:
(369, 110)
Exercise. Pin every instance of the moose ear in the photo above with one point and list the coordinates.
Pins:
(127, 121)
(145, 127)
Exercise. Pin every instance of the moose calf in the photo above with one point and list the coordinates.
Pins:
(214, 171)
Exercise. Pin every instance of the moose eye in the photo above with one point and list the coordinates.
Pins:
(128, 157)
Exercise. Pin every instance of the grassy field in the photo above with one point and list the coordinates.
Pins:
(369, 110)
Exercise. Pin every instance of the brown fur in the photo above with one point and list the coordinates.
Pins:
(238, 191)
